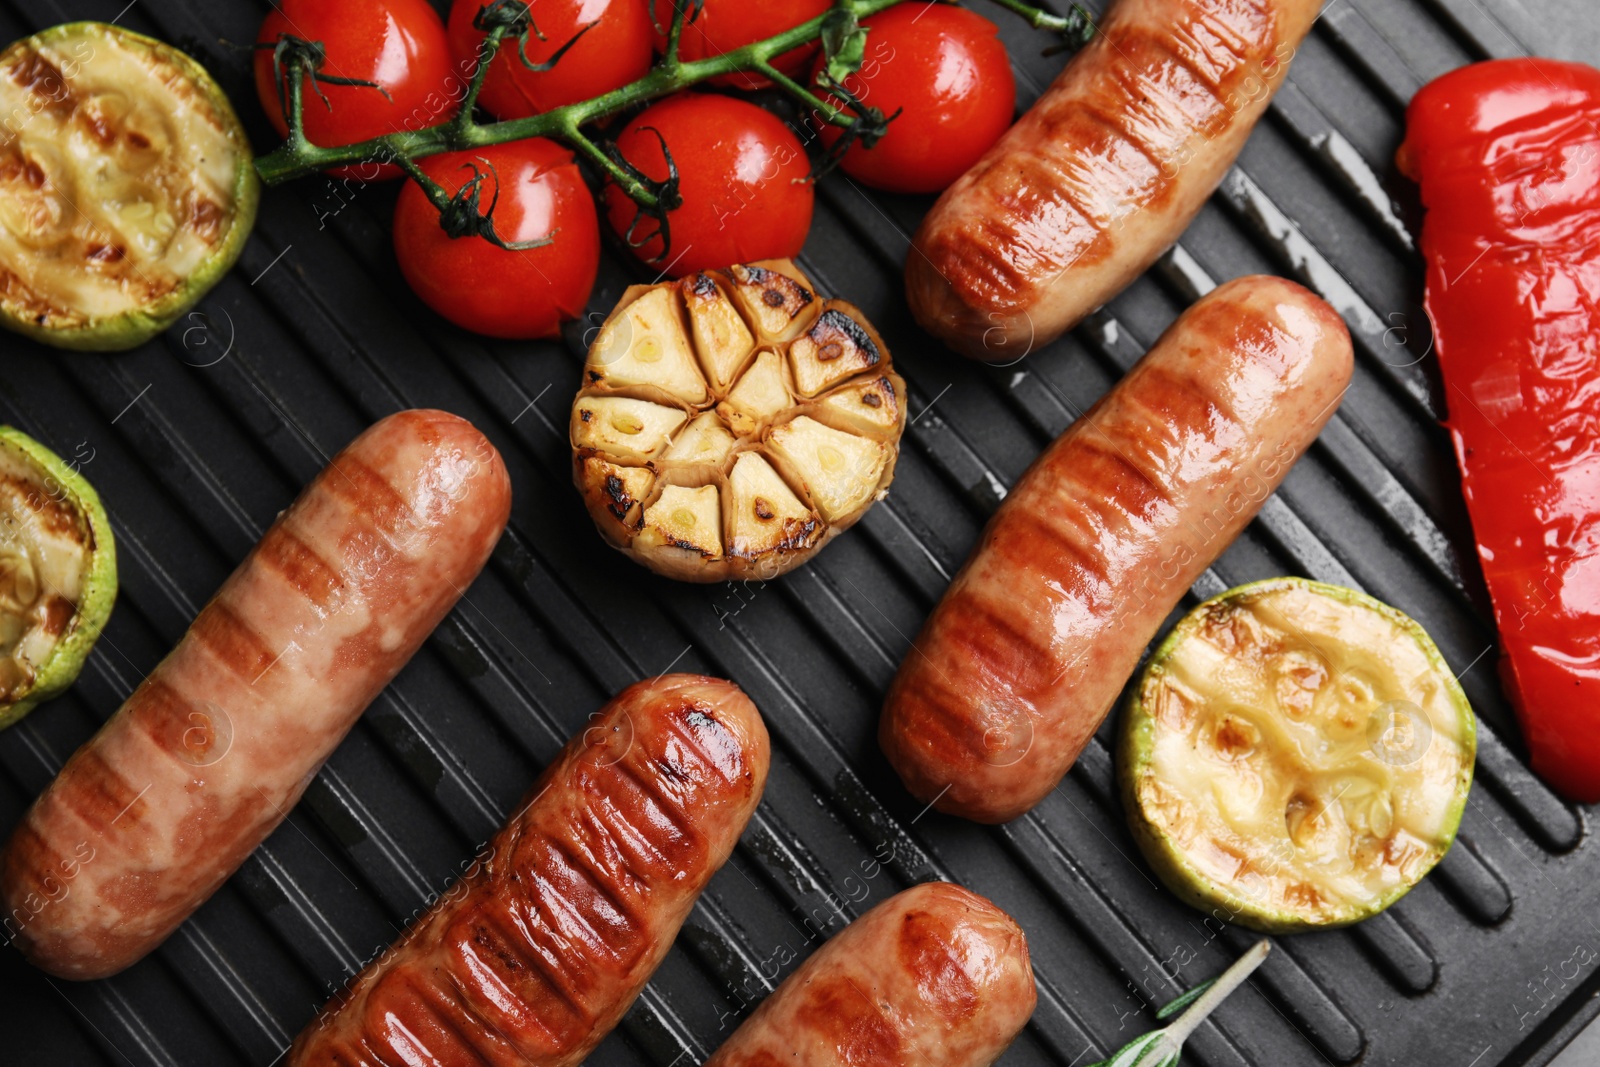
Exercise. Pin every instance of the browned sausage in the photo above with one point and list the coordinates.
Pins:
(1096, 543)
(1102, 174)
(206, 757)
(534, 955)
(936, 976)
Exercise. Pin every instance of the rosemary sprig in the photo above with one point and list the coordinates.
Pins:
(1161, 1048)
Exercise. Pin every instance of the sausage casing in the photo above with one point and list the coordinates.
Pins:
(935, 976)
(1102, 174)
(537, 951)
(1097, 542)
(208, 755)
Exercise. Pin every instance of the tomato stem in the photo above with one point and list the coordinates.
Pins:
(824, 109)
(637, 191)
(487, 50)
(680, 12)
(296, 116)
(1077, 26)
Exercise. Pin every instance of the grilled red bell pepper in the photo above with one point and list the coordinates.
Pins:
(1508, 157)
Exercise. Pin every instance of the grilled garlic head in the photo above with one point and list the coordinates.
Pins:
(731, 423)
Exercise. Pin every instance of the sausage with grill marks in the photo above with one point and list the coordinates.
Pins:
(537, 951)
(1102, 174)
(1023, 657)
(207, 756)
(935, 976)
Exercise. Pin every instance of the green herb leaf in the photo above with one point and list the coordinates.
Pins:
(1161, 1048)
(1147, 1051)
(1184, 1000)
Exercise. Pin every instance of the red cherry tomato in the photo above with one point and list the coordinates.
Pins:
(399, 44)
(946, 68)
(742, 174)
(491, 290)
(724, 25)
(614, 51)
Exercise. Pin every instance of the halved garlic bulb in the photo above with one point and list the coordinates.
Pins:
(731, 423)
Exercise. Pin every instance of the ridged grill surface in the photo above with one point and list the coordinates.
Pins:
(197, 440)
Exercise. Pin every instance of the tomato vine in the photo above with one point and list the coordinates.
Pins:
(839, 31)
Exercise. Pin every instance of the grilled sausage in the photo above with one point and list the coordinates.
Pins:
(1096, 543)
(536, 952)
(207, 756)
(1102, 174)
(935, 976)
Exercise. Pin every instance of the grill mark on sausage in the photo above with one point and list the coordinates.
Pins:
(299, 564)
(615, 928)
(996, 258)
(984, 638)
(232, 641)
(100, 796)
(1060, 549)
(850, 1024)
(490, 1004)
(1116, 487)
(40, 856)
(404, 1011)
(656, 817)
(1137, 137)
(926, 949)
(462, 1030)
(369, 494)
(1167, 402)
(1106, 175)
(561, 1012)
(709, 740)
(1164, 100)
(1221, 39)
(619, 854)
(547, 1006)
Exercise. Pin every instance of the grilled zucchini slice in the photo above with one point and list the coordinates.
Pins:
(127, 186)
(58, 573)
(1296, 756)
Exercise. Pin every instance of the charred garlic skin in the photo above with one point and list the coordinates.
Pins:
(127, 186)
(58, 573)
(1295, 756)
(731, 423)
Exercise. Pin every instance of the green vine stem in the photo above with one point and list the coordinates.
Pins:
(298, 157)
(1076, 25)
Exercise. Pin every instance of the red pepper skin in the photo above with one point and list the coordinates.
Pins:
(1508, 156)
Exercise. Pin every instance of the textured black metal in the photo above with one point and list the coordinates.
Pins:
(199, 438)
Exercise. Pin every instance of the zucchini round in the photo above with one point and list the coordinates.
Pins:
(58, 573)
(127, 186)
(1296, 755)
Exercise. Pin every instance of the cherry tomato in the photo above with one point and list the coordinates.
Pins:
(614, 51)
(724, 25)
(743, 176)
(399, 44)
(491, 290)
(946, 68)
